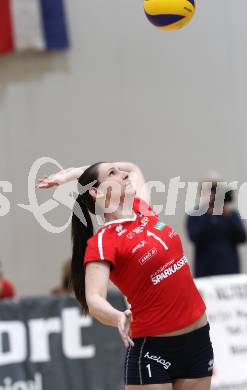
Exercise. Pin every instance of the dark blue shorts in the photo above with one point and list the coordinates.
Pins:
(156, 360)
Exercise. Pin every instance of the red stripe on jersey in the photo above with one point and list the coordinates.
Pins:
(6, 33)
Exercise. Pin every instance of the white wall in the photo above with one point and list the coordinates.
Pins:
(172, 102)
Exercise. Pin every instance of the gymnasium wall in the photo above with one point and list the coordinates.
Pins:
(174, 103)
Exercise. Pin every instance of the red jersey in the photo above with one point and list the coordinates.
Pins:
(149, 267)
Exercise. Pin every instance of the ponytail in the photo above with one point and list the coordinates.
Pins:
(80, 233)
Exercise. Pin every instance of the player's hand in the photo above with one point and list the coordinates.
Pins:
(46, 182)
(52, 181)
(124, 328)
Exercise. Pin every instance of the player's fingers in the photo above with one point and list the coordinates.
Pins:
(43, 182)
(46, 184)
(124, 333)
(131, 342)
(126, 340)
(39, 184)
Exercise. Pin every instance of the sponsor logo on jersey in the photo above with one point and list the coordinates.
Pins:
(159, 226)
(161, 269)
(138, 246)
(172, 234)
(120, 230)
(139, 229)
(130, 235)
(157, 278)
(159, 360)
(148, 256)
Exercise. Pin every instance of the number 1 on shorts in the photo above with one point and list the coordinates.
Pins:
(149, 371)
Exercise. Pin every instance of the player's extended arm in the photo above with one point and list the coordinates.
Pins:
(96, 285)
(71, 174)
(61, 177)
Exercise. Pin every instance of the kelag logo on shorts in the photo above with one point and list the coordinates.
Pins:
(148, 255)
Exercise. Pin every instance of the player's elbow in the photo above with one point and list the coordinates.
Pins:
(92, 308)
(94, 302)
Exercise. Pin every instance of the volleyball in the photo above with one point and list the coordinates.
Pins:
(169, 14)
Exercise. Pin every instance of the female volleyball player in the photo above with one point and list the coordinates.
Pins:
(170, 345)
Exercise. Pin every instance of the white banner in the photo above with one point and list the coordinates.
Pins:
(226, 300)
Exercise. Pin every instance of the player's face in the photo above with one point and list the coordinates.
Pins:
(115, 183)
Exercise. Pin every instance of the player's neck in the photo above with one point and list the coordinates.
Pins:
(119, 214)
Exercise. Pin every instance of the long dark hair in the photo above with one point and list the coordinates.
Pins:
(81, 233)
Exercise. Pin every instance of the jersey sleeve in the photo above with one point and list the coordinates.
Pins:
(100, 247)
(140, 206)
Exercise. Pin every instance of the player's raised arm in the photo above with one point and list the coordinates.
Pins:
(61, 177)
(66, 175)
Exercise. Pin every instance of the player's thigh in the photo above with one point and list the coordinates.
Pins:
(193, 384)
(165, 386)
